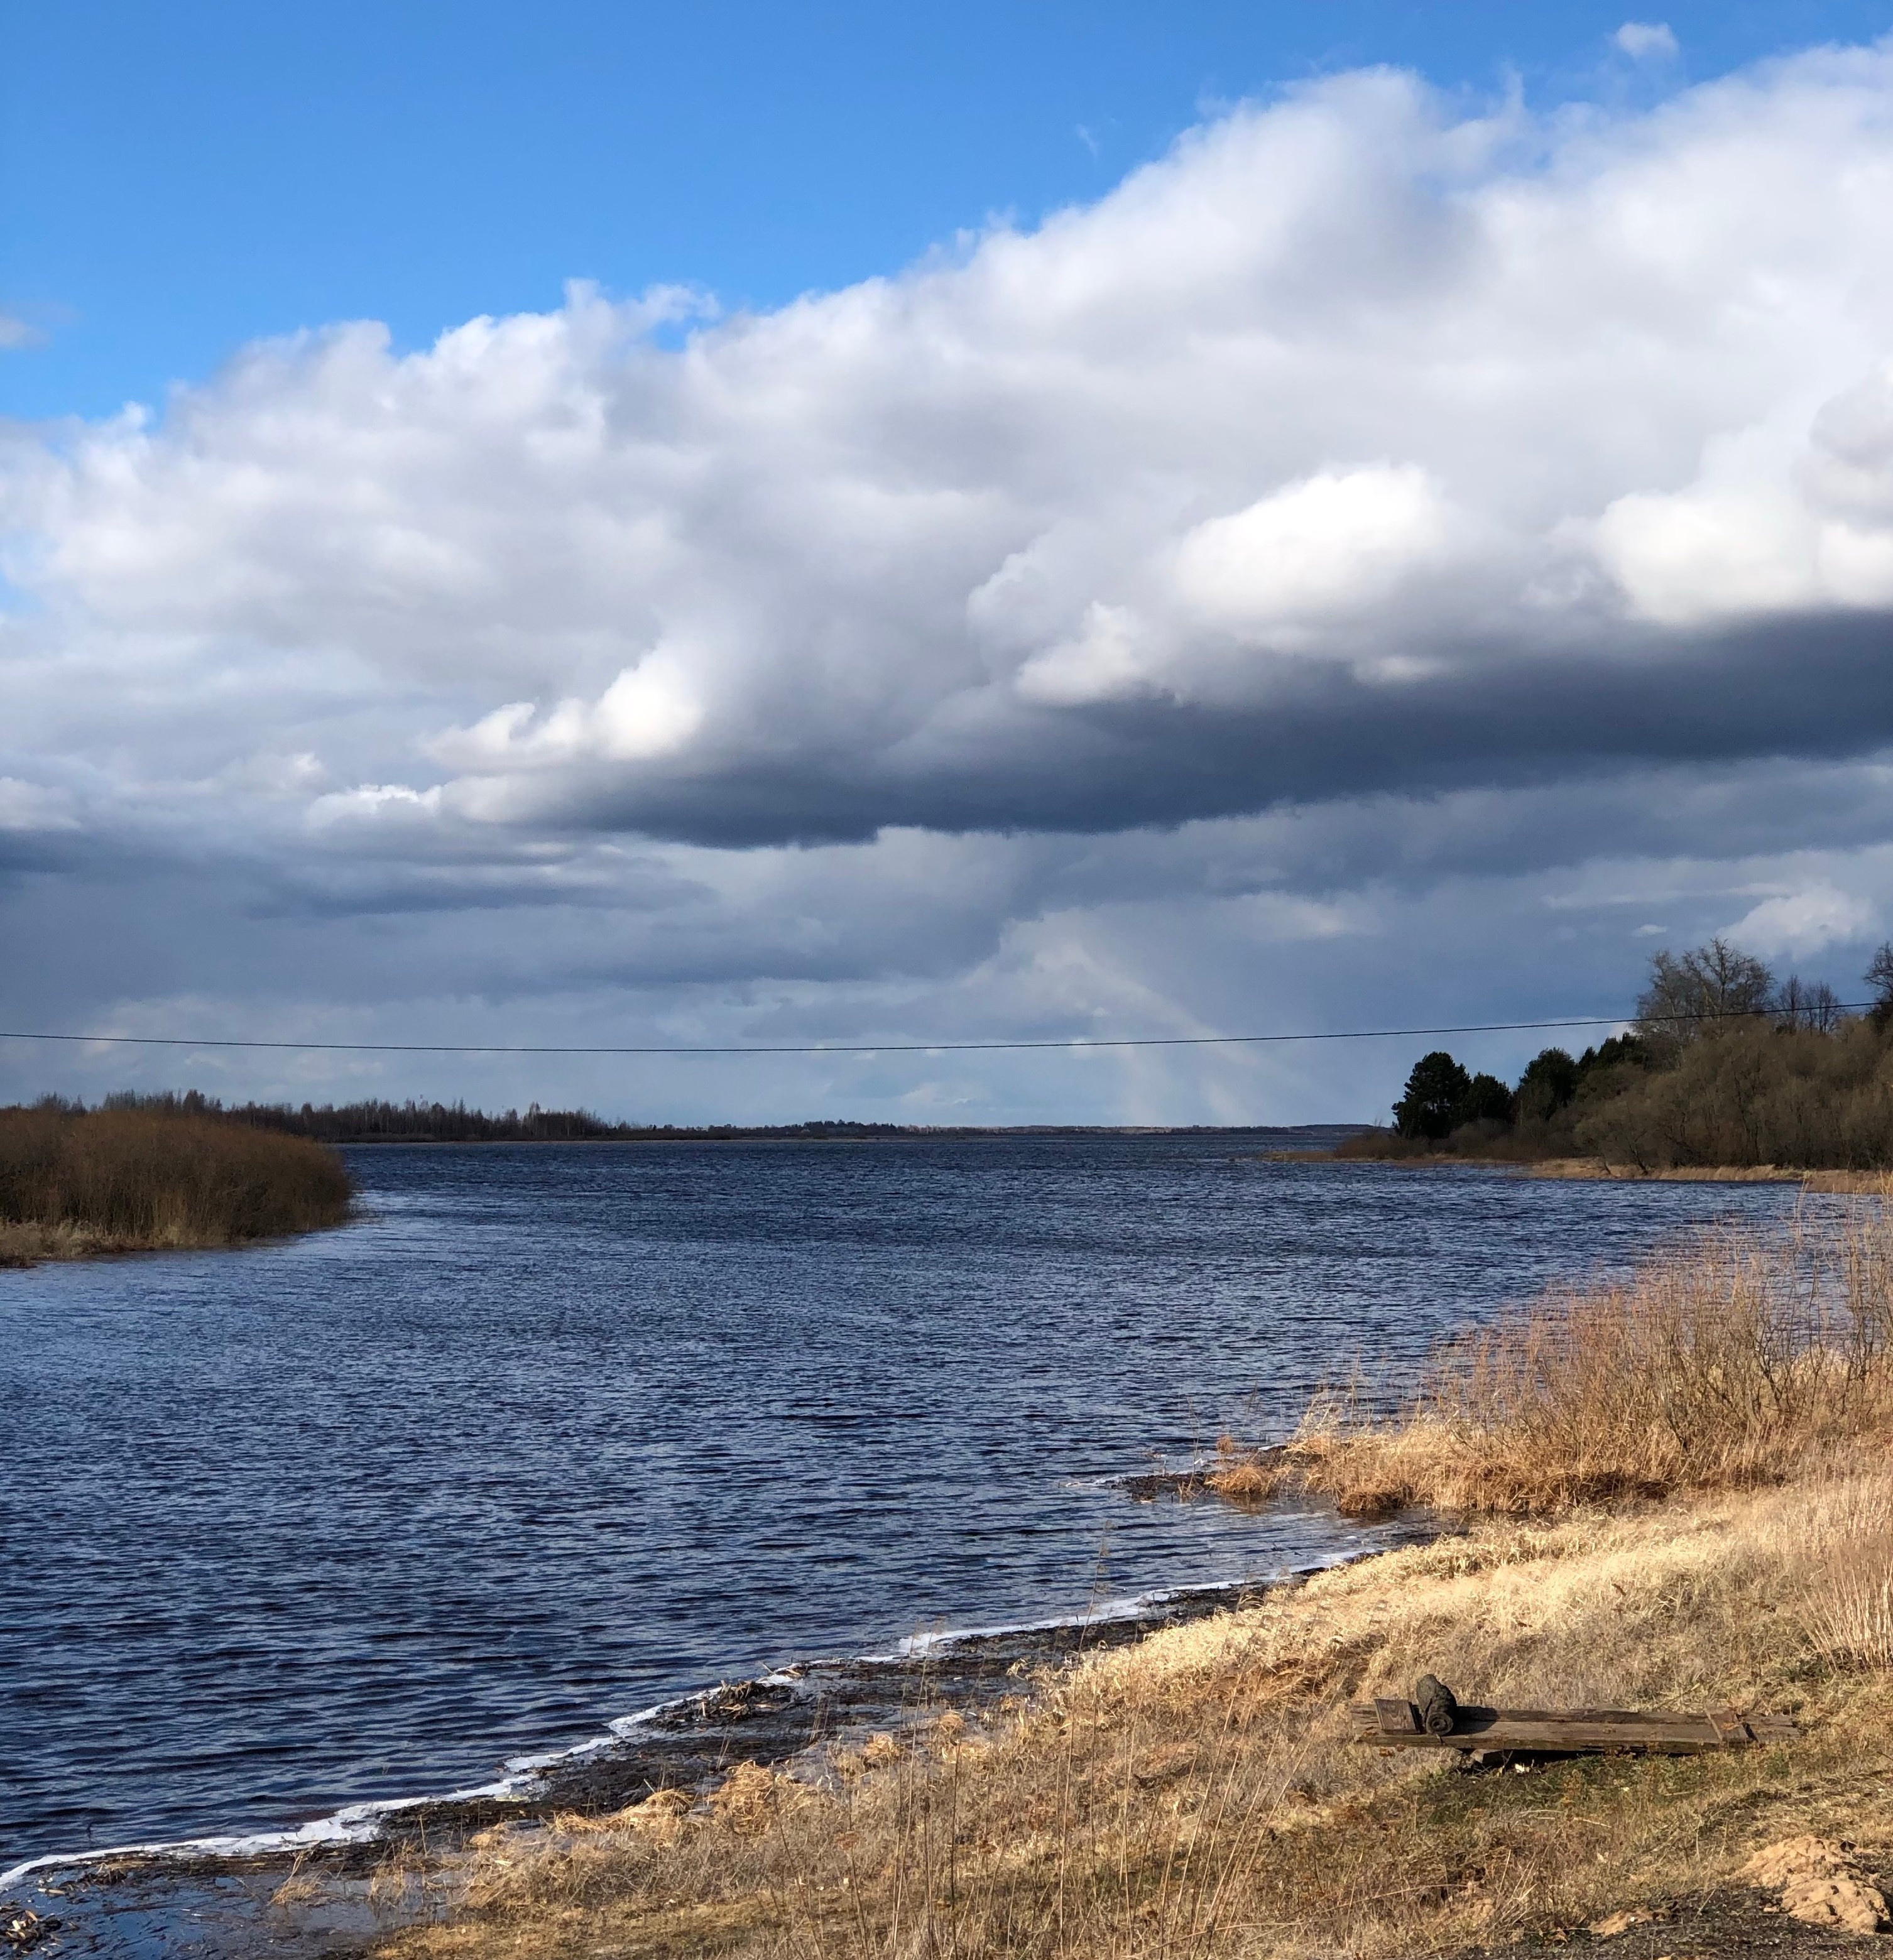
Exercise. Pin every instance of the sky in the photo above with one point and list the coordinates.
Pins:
(744, 526)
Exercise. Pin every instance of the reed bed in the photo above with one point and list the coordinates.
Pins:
(76, 1182)
(1740, 1358)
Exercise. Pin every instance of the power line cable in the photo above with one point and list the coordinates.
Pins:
(1074, 1043)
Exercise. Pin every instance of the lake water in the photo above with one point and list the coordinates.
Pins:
(554, 1432)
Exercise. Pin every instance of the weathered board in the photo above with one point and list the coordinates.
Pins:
(1570, 1731)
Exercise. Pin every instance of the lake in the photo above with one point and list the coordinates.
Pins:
(554, 1432)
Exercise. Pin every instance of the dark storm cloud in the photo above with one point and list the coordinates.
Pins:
(1818, 687)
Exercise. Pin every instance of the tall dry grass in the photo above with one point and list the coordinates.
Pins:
(1845, 1599)
(1739, 1359)
(76, 1180)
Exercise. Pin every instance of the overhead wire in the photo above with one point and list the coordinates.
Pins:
(1072, 1043)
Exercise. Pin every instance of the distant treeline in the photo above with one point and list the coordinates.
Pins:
(450, 1122)
(1724, 1064)
(455, 1123)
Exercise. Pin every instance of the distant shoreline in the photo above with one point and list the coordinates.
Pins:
(865, 1133)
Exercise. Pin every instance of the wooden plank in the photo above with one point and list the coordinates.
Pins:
(1730, 1728)
(1633, 1718)
(1573, 1731)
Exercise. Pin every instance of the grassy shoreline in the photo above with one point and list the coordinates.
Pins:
(1837, 1183)
(80, 1183)
(1588, 1170)
(1672, 1493)
(1197, 1794)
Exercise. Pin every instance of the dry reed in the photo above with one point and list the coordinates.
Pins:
(1737, 1359)
(73, 1182)
(1845, 1596)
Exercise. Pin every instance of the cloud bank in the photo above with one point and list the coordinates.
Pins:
(1364, 456)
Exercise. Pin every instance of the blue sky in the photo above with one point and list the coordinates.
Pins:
(180, 179)
(746, 525)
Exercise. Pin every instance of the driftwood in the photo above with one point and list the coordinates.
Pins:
(1560, 1731)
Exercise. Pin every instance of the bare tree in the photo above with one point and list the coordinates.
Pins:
(1807, 1006)
(1693, 995)
(1879, 977)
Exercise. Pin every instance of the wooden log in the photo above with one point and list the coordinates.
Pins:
(1570, 1731)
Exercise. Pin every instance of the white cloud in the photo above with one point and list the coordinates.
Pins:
(373, 801)
(648, 710)
(1349, 392)
(1762, 531)
(1337, 544)
(1798, 923)
(1646, 40)
(31, 806)
(1102, 660)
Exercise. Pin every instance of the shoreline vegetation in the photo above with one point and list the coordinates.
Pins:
(1670, 1493)
(1831, 1183)
(1599, 1170)
(1725, 1072)
(77, 1183)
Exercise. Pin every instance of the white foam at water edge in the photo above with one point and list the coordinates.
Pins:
(1109, 1612)
(354, 1824)
(360, 1823)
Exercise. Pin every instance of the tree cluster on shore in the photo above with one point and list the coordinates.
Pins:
(1724, 1063)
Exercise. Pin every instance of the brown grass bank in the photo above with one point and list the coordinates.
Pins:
(1678, 1495)
(74, 1182)
(1850, 1183)
(1383, 1146)
(1197, 1795)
